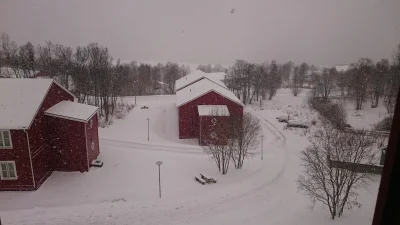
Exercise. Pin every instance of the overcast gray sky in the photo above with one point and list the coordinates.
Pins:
(322, 32)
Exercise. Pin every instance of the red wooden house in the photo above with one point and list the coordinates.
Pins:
(42, 130)
(202, 107)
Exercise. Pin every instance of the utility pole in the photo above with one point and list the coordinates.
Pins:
(262, 147)
(159, 177)
(148, 129)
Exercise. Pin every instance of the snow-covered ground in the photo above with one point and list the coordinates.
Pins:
(125, 189)
(367, 117)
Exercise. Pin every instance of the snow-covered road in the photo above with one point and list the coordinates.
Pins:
(263, 192)
(216, 202)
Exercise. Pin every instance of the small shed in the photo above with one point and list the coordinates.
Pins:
(213, 123)
(73, 135)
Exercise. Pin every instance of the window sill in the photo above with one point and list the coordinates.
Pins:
(9, 178)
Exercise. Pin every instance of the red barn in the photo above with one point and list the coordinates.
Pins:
(192, 116)
(42, 130)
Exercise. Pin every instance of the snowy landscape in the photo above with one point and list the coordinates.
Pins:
(198, 112)
(125, 189)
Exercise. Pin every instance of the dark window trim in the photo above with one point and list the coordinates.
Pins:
(387, 209)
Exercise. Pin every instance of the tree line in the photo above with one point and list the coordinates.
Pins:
(90, 72)
(362, 81)
(251, 82)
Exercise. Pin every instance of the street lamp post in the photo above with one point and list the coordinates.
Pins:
(262, 148)
(148, 129)
(159, 176)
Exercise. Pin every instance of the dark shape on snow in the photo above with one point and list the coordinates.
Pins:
(201, 181)
(97, 163)
(208, 180)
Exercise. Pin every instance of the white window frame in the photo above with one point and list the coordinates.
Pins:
(15, 171)
(2, 139)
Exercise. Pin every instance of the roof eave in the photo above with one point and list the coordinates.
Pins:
(70, 118)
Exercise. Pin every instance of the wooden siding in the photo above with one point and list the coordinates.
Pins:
(188, 113)
(93, 135)
(38, 138)
(20, 154)
(207, 127)
(68, 145)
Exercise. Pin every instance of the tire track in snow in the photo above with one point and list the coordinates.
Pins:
(214, 207)
(149, 147)
(256, 194)
(192, 211)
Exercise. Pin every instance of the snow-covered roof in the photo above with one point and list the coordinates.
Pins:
(213, 110)
(194, 77)
(19, 101)
(342, 68)
(72, 111)
(201, 88)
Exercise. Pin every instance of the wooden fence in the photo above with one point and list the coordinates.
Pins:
(359, 168)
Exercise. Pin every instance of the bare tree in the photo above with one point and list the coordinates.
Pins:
(10, 55)
(302, 73)
(220, 147)
(342, 82)
(286, 72)
(46, 61)
(359, 82)
(26, 60)
(296, 81)
(377, 81)
(244, 138)
(392, 83)
(183, 71)
(64, 59)
(325, 83)
(274, 80)
(80, 74)
(240, 79)
(221, 154)
(171, 74)
(336, 187)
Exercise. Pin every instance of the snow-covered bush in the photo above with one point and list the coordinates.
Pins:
(332, 113)
(122, 109)
(385, 124)
(314, 122)
(103, 123)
